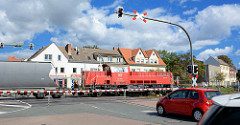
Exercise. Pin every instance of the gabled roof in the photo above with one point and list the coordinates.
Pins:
(87, 54)
(221, 62)
(39, 52)
(128, 55)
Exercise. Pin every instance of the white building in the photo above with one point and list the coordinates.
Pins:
(215, 66)
(69, 62)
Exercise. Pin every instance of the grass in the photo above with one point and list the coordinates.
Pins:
(228, 90)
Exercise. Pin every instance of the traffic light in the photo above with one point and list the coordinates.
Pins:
(195, 69)
(189, 69)
(120, 12)
(31, 46)
(2, 45)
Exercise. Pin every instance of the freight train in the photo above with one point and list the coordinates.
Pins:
(35, 76)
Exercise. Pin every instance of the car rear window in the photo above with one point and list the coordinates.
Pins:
(210, 94)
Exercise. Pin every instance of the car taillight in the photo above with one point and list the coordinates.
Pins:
(209, 102)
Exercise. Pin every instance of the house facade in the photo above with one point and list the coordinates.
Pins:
(141, 60)
(69, 62)
(215, 66)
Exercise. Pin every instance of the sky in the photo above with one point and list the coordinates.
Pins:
(213, 25)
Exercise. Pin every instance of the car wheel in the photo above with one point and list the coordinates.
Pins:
(197, 115)
(160, 110)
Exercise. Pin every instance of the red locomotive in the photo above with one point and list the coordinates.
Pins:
(120, 77)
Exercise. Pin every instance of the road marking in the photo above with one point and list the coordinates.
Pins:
(17, 106)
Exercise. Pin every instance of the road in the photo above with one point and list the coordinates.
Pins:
(85, 110)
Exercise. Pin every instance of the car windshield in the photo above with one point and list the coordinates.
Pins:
(210, 94)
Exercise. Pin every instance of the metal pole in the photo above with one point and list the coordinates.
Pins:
(125, 94)
(48, 98)
(238, 86)
(189, 39)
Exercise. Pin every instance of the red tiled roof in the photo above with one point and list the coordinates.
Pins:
(14, 59)
(129, 53)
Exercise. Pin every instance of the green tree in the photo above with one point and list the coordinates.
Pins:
(226, 59)
(91, 47)
(169, 58)
(220, 76)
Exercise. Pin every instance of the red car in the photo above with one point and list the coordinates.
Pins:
(189, 101)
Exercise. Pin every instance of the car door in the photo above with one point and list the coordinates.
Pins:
(176, 102)
(192, 98)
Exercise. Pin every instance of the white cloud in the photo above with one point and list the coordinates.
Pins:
(202, 43)
(87, 25)
(190, 12)
(237, 52)
(217, 51)
(18, 54)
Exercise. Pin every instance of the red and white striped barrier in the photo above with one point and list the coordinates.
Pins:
(85, 91)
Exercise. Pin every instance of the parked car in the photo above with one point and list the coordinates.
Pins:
(187, 101)
(224, 111)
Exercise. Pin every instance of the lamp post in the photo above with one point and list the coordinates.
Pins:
(120, 13)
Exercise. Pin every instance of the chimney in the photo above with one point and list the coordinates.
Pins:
(115, 48)
(68, 49)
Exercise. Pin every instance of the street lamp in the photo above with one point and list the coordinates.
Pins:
(120, 12)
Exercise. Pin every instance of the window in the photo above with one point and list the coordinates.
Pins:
(151, 61)
(56, 70)
(193, 95)
(81, 70)
(70, 57)
(140, 53)
(181, 94)
(153, 54)
(93, 69)
(74, 70)
(89, 58)
(62, 70)
(48, 57)
(100, 59)
(59, 57)
(118, 59)
(137, 61)
(142, 60)
(156, 61)
(109, 59)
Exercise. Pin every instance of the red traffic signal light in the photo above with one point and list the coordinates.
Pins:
(189, 69)
(120, 12)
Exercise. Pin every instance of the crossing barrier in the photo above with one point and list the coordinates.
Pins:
(83, 91)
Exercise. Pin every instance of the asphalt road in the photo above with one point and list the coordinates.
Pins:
(85, 110)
